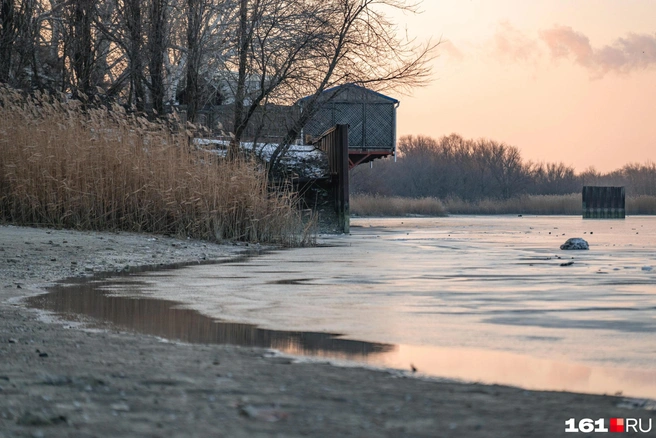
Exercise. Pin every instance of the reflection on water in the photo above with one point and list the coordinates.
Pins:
(169, 320)
(525, 371)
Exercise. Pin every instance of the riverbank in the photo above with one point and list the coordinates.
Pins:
(58, 379)
(397, 206)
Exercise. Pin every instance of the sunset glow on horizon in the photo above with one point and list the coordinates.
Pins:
(572, 82)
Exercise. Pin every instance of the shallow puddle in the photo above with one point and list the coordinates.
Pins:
(96, 307)
(170, 320)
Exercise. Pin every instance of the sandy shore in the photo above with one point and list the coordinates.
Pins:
(57, 379)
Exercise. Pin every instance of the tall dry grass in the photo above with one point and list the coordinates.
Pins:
(62, 165)
(368, 205)
(642, 204)
(531, 204)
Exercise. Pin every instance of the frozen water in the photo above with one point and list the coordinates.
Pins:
(474, 298)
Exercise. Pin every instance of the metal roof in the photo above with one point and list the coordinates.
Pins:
(359, 88)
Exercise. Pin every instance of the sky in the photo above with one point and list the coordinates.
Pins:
(570, 81)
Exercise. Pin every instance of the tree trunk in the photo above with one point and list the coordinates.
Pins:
(133, 21)
(82, 46)
(240, 95)
(7, 37)
(157, 49)
(192, 89)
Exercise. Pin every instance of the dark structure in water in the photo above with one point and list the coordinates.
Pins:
(603, 202)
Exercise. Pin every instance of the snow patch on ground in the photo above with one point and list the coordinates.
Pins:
(305, 160)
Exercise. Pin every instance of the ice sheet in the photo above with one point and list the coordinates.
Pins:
(476, 298)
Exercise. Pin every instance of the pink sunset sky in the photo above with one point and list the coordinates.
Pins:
(563, 80)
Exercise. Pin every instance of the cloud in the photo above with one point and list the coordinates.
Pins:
(563, 41)
(509, 43)
(630, 53)
(624, 55)
(451, 50)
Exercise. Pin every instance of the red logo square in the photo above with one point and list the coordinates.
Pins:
(617, 424)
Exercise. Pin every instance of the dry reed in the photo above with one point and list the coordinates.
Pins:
(642, 204)
(62, 165)
(531, 204)
(369, 205)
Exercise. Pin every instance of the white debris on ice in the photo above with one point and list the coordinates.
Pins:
(574, 243)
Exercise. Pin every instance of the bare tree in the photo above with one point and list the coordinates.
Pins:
(149, 53)
(194, 53)
(82, 53)
(452, 166)
(276, 42)
(157, 51)
(207, 22)
(360, 46)
(553, 179)
(286, 50)
(501, 167)
(243, 43)
(8, 34)
(138, 52)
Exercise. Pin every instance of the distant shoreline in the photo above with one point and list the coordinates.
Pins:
(565, 205)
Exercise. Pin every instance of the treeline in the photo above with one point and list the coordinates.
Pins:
(473, 170)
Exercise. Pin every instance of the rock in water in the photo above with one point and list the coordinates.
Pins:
(575, 243)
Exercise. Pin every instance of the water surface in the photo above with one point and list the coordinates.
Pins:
(474, 298)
